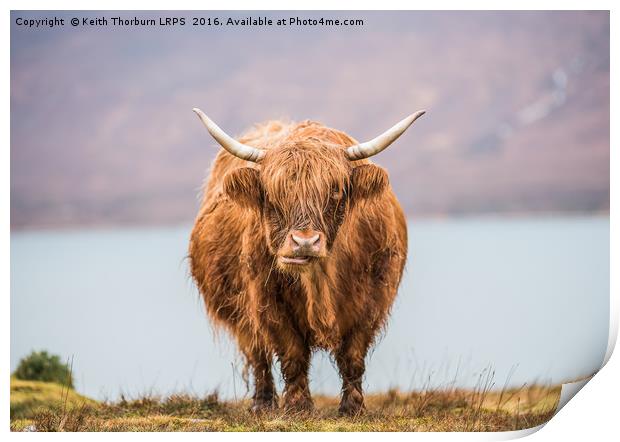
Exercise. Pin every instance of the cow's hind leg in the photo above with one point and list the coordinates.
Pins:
(265, 397)
(350, 360)
(259, 360)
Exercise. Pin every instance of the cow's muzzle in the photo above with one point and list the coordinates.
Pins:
(302, 247)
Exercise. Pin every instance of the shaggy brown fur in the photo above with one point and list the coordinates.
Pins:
(340, 300)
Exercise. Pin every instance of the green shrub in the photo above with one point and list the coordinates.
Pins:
(41, 366)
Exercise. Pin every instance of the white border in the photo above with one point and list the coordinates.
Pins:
(590, 416)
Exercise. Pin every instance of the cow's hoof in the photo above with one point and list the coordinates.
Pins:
(299, 405)
(260, 408)
(352, 405)
(265, 405)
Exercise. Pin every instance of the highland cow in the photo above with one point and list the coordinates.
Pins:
(299, 244)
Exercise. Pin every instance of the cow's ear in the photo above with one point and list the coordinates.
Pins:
(244, 187)
(368, 180)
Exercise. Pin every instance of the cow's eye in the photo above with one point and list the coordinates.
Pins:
(275, 215)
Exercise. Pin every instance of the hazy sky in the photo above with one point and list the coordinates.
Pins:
(102, 130)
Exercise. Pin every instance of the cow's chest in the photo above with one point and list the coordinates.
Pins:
(312, 310)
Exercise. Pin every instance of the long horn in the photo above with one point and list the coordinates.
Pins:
(234, 147)
(376, 145)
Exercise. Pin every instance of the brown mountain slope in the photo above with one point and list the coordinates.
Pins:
(518, 110)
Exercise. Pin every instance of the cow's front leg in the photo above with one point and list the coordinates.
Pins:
(294, 357)
(350, 359)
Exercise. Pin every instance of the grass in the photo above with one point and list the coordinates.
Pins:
(29, 397)
(48, 407)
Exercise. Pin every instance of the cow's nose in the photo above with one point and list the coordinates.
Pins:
(310, 241)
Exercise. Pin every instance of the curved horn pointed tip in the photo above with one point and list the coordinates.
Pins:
(417, 114)
(380, 143)
(242, 151)
(203, 117)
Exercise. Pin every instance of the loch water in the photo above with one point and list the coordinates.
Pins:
(526, 298)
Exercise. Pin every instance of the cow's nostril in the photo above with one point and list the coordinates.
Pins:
(305, 242)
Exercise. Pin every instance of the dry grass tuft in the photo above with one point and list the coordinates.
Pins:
(431, 410)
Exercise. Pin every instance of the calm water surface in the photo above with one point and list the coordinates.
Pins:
(527, 296)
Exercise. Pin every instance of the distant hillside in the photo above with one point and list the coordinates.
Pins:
(28, 397)
(518, 110)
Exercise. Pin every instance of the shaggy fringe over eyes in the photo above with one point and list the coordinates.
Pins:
(302, 189)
